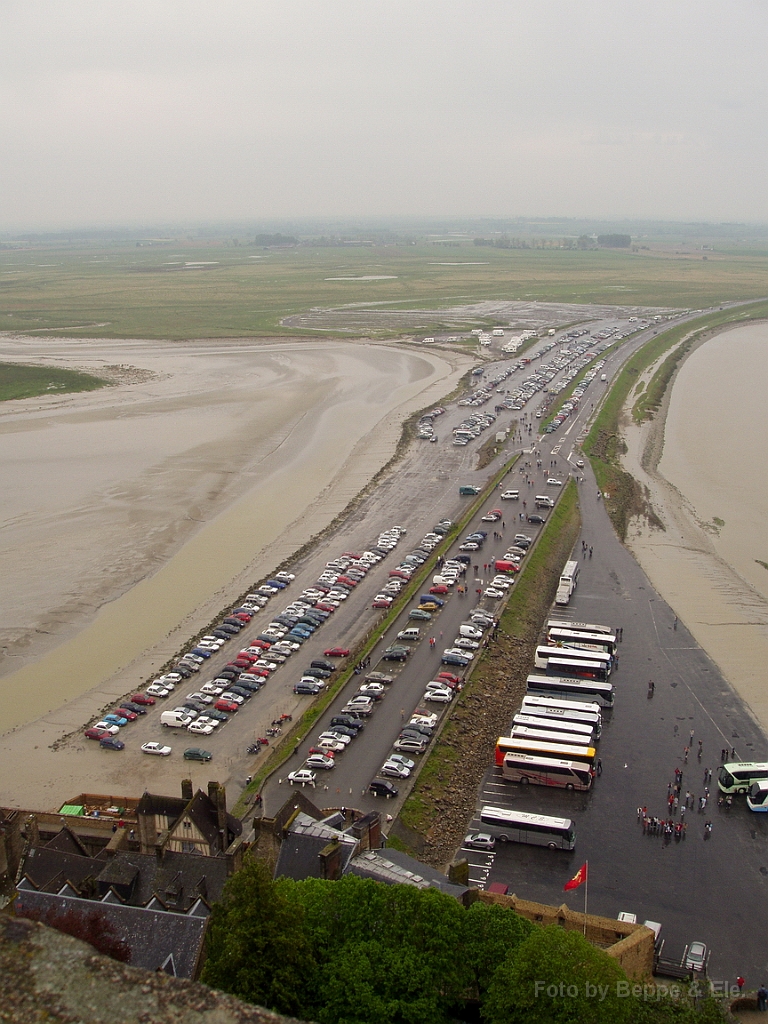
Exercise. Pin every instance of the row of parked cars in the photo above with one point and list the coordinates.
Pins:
(400, 575)
(203, 710)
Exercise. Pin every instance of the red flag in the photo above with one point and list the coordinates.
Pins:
(578, 879)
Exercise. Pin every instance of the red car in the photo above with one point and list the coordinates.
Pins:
(260, 643)
(380, 604)
(142, 698)
(96, 734)
(326, 607)
(401, 574)
(347, 581)
(438, 588)
(336, 652)
(248, 656)
(243, 616)
(226, 705)
(125, 713)
(449, 676)
(351, 554)
(321, 750)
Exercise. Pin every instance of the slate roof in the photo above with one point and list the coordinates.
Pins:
(397, 868)
(300, 849)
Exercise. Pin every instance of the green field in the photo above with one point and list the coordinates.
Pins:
(19, 381)
(157, 291)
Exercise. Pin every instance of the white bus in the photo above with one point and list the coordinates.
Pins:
(580, 638)
(558, 725)
(564, 710)
(588, 627)
(536, 829)
(569, 577)
(738, 776)
(544, 735)
(589, 664)
(548, 748)
(546, 771)
(594, 691)
(757, 797)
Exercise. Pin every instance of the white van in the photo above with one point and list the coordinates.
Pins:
(175, 719)
(544, 501)
(411, 633)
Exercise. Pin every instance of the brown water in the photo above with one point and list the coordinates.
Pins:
(129, 510)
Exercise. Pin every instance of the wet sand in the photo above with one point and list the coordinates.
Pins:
(703, 460)
(132, 515)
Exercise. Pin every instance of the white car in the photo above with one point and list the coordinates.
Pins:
(460, 652)
(155, 748)
(554, 483)
(109, 727)
(269, 665)
(439, 696)
(493, 592)
(406, 762)
(510, 495)
(234, 697)
(394, 768)
(501, 583)
(205, 720)
(285, 577)
(337, 737)
(303, 777)
(200, 727)
(464, 643)
(204, 698)
(156, 690)
(372, 689)
(333, 745)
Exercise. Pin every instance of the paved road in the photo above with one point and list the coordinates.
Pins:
(709, 890)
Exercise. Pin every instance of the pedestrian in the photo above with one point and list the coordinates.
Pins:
(701, 747)
(674, 624)
(669, 785)
(733, 753)
(503, 525)
(762, 998)
(590, 550)
(599, 766)
(687, 797)
(702, 803)
(685, 757)
(651, 687)
(670, 800)
(691, 739)
(682, 811)
(402, 712)
(675, 802)
(723, 755)
(709, 774)
(740, 982)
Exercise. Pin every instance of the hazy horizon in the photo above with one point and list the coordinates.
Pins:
(143, 114)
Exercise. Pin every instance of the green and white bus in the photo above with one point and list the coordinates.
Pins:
(738, 776)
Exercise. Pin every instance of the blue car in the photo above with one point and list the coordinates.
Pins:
(111, 743)
(201, 652)
(277, 583)
(302, 634)
(116, 720)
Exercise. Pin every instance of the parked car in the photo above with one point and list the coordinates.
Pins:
(480, 841)
(303, 777)
(197, 754)
(323, 761)
(394, 769)
(96, 734)
(383, 787)
(111, 743)
(109, 728)
(142, 700)
(156, 748)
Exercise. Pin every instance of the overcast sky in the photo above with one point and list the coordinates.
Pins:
(152, 111)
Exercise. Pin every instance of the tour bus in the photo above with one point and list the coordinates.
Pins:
(536, 829)
(595, 691)
(525, 720)
(547, 771)
(564, 711)
(587, 627)
(580, 638)
(544, 748)
(544, 735)
(757, 797)
(599, 659)
(569, 577)
(738, 776)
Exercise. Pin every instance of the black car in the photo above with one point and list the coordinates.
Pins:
(383, 787)
(466, 559)
(241, 691)
(318, 673)
(349, 720)
(412, 733)
(136, 708)
(536, 518)
(229, 673)
(244, 684)
(425, 730)
(322, 663)
(221, 634)
(229, 629)
(345, 730)
(194, 705)
(196, 754)
(395, 653)
(306, 688)
(220, 716)
(286, 620)
(184, 671)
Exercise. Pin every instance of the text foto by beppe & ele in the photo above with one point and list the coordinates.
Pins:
(630, 990)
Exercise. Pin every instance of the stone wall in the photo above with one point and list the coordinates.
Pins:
(631, 945)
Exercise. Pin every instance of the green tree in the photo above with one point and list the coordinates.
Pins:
(256, 947)
(490, 934)
(557, 977)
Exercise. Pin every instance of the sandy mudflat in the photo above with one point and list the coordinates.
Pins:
(134, 513)
(703, 459)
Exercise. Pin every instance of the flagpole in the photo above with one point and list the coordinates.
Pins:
(586, 890)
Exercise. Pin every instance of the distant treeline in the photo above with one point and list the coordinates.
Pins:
(615, 241)
(276, 239)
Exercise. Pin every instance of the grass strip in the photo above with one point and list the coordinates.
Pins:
(20, 381)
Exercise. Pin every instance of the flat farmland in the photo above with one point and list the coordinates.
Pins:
(187, 290)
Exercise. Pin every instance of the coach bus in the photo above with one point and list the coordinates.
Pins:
(536, 829)
(565, 688)
(564, 711)
(546, 771)
(757, 797)
(580, 638)
(557, 725)
(544, 748)
(586, 664)
(587, 627)
(738, 776)
(543, 735)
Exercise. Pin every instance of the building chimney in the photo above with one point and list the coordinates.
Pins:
(330, 862)
(186, 789)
